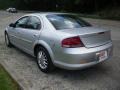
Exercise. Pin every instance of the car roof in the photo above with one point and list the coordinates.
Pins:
(44, 13)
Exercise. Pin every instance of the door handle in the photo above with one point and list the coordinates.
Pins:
(35, 35)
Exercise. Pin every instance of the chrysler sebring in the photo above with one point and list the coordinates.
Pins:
(59, 40)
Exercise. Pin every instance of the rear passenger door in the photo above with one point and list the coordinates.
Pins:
(30, 34)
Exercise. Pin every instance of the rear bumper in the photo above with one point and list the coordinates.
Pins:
(79, 58)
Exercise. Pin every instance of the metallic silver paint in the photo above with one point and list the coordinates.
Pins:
(50, 38)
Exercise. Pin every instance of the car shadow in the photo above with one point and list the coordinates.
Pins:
(88, 73)
(24, 53)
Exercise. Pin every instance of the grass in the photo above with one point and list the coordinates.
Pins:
(6, 82)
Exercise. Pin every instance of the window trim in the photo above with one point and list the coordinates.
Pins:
(20, 19)
(39, 22)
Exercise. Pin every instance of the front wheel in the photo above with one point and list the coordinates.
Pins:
(44, 61)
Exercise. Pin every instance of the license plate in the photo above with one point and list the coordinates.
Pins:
(102, 55)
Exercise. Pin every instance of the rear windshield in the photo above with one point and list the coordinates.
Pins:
(65, 21)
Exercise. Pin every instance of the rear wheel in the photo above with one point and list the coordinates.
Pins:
(7, 40)
(44, 61)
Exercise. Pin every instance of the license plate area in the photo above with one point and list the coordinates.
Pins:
(102, 55)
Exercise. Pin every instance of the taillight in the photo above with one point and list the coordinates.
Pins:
(72, 42)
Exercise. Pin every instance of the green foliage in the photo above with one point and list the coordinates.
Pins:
(77, 1)
(6, 83)
(80, 6)
(7, 3)
(68, 5)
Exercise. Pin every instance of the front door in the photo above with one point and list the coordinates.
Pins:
(15, 31)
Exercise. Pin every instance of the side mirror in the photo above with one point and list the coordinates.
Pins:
(12, 25)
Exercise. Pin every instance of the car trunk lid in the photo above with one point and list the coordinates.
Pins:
(91, 37)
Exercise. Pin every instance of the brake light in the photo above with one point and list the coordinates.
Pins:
(72, 42)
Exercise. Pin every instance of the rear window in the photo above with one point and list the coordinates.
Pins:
(65, 21)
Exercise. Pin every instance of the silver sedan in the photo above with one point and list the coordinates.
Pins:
(59, 40)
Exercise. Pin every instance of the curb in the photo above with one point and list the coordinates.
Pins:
(19, 80)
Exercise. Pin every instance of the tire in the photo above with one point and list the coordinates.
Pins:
(44, 61)
(7, 40)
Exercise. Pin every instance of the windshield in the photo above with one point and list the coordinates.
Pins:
(65, 21)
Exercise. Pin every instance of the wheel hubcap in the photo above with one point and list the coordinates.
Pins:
(42, 60)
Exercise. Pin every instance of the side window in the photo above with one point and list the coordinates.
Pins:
(34, 23)
(21, 23)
